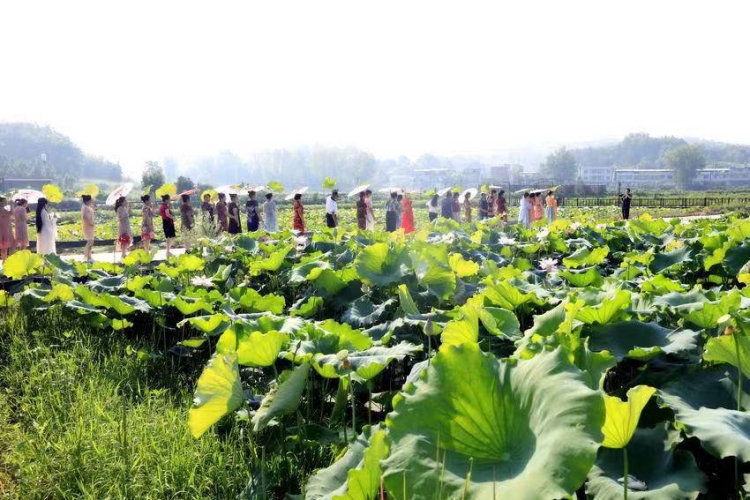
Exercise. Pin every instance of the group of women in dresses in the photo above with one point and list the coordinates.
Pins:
(531, 209)
(228, 218)
(399, 212)
(14, 231)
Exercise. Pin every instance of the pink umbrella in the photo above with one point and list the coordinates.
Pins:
(189, 192)
(122, 190)
(301, 190)
(30, 195)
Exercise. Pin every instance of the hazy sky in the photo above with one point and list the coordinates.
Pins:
(138, 80)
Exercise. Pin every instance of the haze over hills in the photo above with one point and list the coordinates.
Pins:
(22, 146)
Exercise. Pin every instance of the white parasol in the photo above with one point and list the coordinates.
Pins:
(472, 192)
(227, 190)
(358, 189)
(121, 190)
(30, 195)
(301, 190)
(443, 191)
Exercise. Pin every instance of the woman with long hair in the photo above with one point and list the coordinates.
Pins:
(467, 207)
(299, 214)
(502, 206)
(7, 242)
(551, 207)
(538, 211)
(407, 217)
(235, 225)
(167, 221)
(270, 221)
(369, 214)
(361, 212)
(432, 207)
(222, 214)
(20, 215)
(187, 221)
(46, 229)
(147, 222)
(253, 215)
(125, 237)
(391, 213)
(88, 225)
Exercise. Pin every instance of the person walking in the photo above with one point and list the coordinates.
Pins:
(332, 212)
(147, 223)
(253, 215)
(407, 222)
(456, 207)
(269, 214)
(222, 214)
(20, 217)
(483, 207)
(551, 209)
(46, 229)
(369, 214)
(125, 235)
(235, 224)
(361, 207)
(524, 211)
(207, 211)
(432, 207)
(298, 221)
(446, 207)
(626, 199)
(491, 204)
(88, 223)
(167, 221)
(7, 241)
(467, 207)
(538, 211)
(391, 213)
(187, 221)
(399, 210)
(502, 206)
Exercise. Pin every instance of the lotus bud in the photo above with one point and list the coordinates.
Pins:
(343, 356)
(365, 288)
(429, 328)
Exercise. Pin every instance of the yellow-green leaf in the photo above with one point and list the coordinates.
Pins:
(622, 416)
(21, 264)
(219, 392)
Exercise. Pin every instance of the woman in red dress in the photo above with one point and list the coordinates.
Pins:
(407, 219)
(299, 214)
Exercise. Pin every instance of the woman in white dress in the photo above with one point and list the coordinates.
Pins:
(269, 214)
(46, 229)
(524, 211)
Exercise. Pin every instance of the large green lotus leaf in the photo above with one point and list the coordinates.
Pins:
(579, 278)
(668, 474)
(731, 349)
(300, 272)
(326, 279)
(209, 324)
(348, 337)
(381, 264)
(706, 313)
(219, 392)
(362, 312)
(462, 267)
(365, 364)
(547, 323)
(737, 257)
(504, 294)
(255, 348)
(607, 311)
(154, 298)
(108, 284)
(137, 257)
(435, 276)
(190, 263)
(584, 257)
(58, 263)
(252, 301)
(526, 430)
(660, 284)
(405, 300)
(463, 329)
(60, 292)
(622, 416)
(635, 339)
(246, 243)
(500, 322)
(272, 263)
(21, 264)
(307, 308)
(666, 260)
(284, 397)
(356, 475)
(715, 258)
(682, 300)
(189, 305)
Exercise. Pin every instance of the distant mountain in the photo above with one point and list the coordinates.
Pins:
(28, 150)
(644, 151)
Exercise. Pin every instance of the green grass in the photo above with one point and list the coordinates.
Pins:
(82, 418)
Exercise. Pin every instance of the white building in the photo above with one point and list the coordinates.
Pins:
(734, 176)
(597, 174)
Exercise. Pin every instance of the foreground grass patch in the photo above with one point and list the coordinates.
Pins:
(80, 417)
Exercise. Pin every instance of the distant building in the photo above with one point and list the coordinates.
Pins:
(602, 174)
(727, 177)
(430, 178)
(12, 183)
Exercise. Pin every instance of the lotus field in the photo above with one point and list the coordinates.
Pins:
(591, 358)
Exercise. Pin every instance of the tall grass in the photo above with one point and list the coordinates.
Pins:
(82, 418)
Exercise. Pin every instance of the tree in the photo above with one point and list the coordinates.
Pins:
(184, 183)
(561, 166)
(685, 161)
(153, 175)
